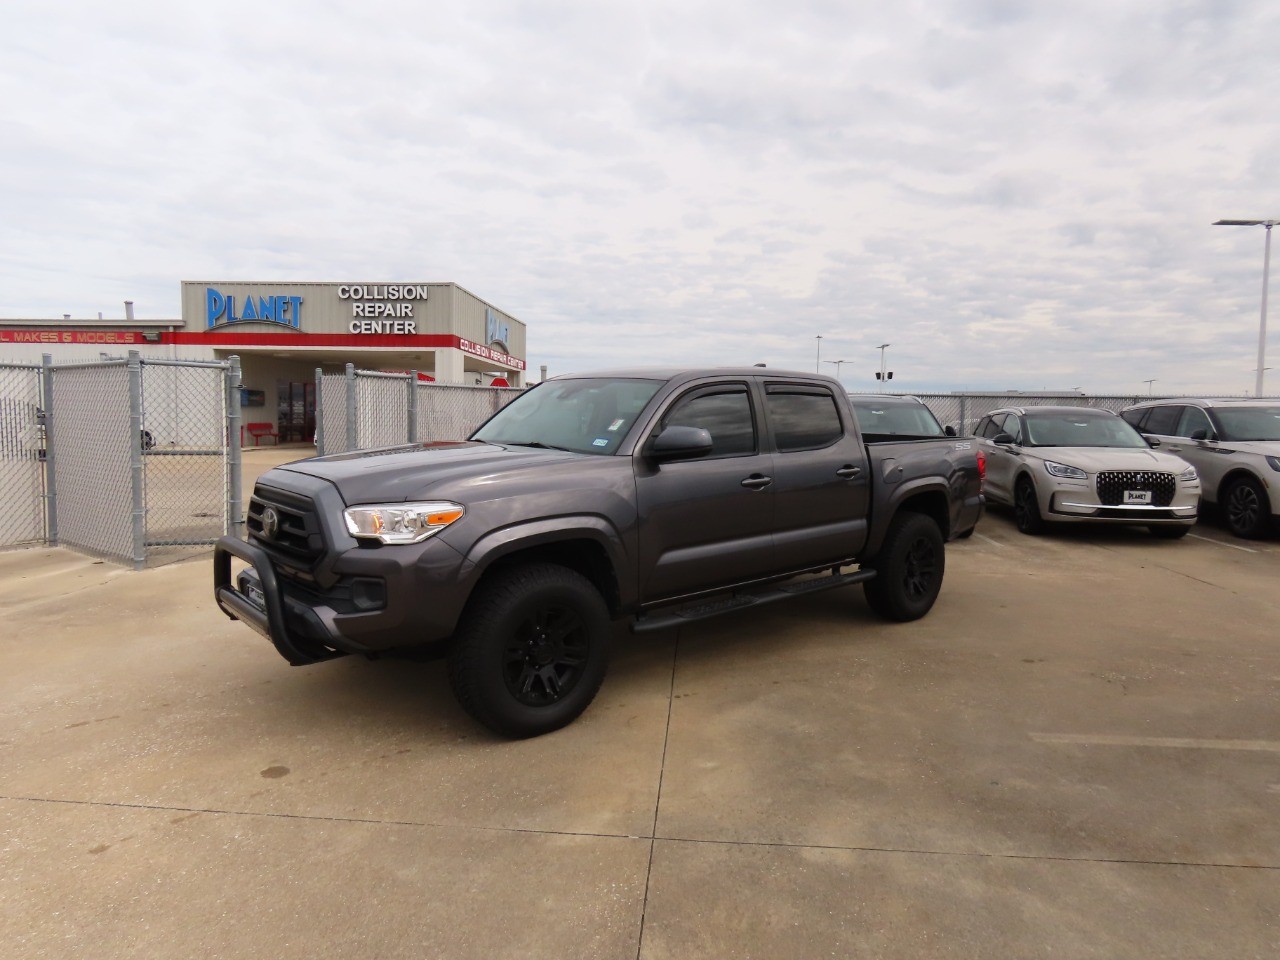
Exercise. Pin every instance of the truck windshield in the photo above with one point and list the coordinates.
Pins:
(1249, 423)
(590, 415)
(1080, 430)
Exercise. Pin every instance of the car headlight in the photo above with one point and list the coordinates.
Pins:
(1190, 474)
(1274, 462)
(401, 522)
(1064, 471)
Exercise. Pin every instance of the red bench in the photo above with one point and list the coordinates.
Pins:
(259, 431)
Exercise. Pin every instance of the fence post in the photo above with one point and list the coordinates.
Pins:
(964, 422)
(235, 474)
(50, 474)
(351, 406)
(319, 437)
(135, 460)
(413, 407)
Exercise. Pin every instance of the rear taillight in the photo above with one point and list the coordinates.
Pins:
(982, 465)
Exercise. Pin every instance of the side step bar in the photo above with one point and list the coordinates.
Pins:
(646, 623)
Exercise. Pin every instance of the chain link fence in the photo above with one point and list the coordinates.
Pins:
(366, 409)
(133, 460)
(22, 505)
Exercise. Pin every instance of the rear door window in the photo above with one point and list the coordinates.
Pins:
(803, 419)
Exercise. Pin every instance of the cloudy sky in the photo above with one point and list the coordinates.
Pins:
(1013, 194)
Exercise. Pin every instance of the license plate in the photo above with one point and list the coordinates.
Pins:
(1137, 496)
(253, 593)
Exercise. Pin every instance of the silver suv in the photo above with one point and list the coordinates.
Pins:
(1077, 464)
(1235, 446)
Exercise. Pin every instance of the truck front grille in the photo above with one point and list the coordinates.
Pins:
(286, 525)
(1113, 483)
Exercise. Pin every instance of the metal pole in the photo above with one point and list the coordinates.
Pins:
(319, 437)
(413, 407)
(817, 363)
(235, 477)
(135, 460)
(351, 406)
(1262, 325)
(50, 475)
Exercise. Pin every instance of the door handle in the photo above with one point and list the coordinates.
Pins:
(848, 471)
(757, 482)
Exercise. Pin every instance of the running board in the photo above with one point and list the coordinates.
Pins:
(740, 601)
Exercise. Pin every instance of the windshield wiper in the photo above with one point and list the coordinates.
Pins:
(535, 443)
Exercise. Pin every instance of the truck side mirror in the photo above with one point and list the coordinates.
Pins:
(950, 431)
(679, 443)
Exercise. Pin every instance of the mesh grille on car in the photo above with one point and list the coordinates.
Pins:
(294, 535)
(1113, 483)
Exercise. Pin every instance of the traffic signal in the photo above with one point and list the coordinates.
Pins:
(887, 376)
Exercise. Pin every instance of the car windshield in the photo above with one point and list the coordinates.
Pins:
(590, 415)
(895, 419)
(1080, 430)
(1249, 423)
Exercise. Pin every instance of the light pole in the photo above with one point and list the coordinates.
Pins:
(817, 364)
(1266, 270)
(837, 363)
(1149, 383)
(882, 348)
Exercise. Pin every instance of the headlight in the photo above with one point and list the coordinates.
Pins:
(1062, 470)
(1274, 462)
(1190, 474)
(401, 522)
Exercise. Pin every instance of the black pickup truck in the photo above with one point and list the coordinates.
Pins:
(656, 496)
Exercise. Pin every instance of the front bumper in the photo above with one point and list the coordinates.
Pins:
(302, 633)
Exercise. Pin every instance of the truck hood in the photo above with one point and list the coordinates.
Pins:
(1096, 459)
(424, 470)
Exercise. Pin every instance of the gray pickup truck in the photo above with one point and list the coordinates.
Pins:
(656, 496)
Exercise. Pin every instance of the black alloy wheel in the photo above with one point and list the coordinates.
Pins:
(909, 569)
(1026, 508)
(1246, 509)
(546, 655)
(531, 649)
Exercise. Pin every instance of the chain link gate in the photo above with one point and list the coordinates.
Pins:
(22, 505)
(366, 409)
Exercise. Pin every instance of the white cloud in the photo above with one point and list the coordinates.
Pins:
(1014, 194)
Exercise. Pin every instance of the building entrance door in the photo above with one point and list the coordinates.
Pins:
(297, 418)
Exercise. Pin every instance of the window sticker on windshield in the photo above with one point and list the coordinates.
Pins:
(613, 427)
(600, 442)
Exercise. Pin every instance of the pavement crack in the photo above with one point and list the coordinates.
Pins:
(657, 805)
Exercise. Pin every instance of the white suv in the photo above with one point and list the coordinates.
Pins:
(1235, 446)
(1079, 464)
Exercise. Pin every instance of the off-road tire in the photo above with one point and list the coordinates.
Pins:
(531, 650)
(1026, 508)
(909, 569)
(1246, 509)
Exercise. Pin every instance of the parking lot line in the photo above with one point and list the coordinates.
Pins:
(996, 543)
(1233, 546)
(1105, 740)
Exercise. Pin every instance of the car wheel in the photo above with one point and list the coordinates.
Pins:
(1246, 509)
(531, 651)
(909, 569)
(1170, 532)
(1026, 508)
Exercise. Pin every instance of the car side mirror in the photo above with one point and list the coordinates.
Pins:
(1199, 434)
(950, 431)
(1152, 442)
(1004, 439)
(679, 443)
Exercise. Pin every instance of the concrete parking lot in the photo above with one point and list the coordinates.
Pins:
(1076, 754)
